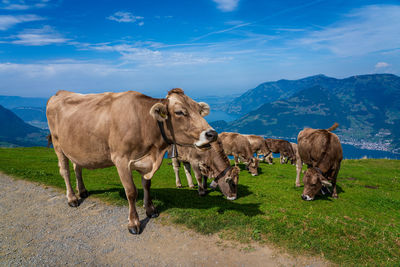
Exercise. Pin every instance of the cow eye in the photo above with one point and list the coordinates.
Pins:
(180, 113)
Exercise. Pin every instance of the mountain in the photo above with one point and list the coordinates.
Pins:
(11, 102)
(15, 132)
(271, 91)
(30, 109)
(35, 116)
(367, 107)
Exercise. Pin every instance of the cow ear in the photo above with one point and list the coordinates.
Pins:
(228, 179)
(204, 109)
(159, 112)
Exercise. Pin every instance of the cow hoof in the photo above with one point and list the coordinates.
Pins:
(135, 230)
(334, 196)
(153, 214)
(84, 194)
(178, 186)
(203, 193)
(298, 185)
(191, 186)
(73, 203)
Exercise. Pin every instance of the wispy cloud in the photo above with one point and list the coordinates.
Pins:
(8, 21)
(38, 37)
(365, 30)
(149, 54)
(22, 5)
(226, 5)
(276, 14)
(380, 65)
(121, 16)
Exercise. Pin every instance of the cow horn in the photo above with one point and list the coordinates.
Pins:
(326, 183)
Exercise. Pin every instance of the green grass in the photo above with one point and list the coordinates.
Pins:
(361, 227)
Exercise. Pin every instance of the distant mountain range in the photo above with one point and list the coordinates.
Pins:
(15, 132)
(367, 107)
(32, 110)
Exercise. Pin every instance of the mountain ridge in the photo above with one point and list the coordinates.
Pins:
(367, 107)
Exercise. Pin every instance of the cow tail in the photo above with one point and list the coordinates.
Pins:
(49, 140)
(333, 127)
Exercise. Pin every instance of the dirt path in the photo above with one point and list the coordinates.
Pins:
(38, 228)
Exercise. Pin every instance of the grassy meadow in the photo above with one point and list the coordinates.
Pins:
(361, 227)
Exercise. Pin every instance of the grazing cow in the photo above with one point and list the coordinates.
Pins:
(257, 145)
(282, 147)
(298, 161)
(322, 152)
(129, 130)
(239, 147)
(211, 163)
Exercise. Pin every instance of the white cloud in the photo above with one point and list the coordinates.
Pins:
(381, 65)
(38, 37)
(366, 30)
(121, 16)
(226, 5)
(147, 54)
(21, 4)
(8, 21)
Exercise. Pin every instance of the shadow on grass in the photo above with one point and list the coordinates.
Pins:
(185, 198)
(328, 197)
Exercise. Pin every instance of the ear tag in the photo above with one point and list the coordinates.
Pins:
(163, 115)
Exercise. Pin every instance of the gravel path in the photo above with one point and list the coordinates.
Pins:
(38, 228)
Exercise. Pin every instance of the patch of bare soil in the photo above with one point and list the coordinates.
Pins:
(38, 228)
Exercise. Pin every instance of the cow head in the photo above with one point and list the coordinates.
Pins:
(252, 166)
(184, 119)
(215, 164)
(228, 184)
(313, 181)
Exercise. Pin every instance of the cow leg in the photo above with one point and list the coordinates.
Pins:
(269, 158)
(334, 177)
(151, 211)
(205, 183)
(186, 166)
(176, 164)
(63, 163)
(125, 175)
(236, 158)
(200, 184)
(80, 186)
(299, 166)
(281, 158)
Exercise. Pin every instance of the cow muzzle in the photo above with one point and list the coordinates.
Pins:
(231, 198)
(306, 198)
(206, 137)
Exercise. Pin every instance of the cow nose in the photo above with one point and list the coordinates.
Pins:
(211, 135)
(306, 197)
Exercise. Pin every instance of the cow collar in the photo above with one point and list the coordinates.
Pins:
(174, 152)
(223, 173)
(319, 170)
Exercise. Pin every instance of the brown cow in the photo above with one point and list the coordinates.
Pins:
(257, 145)
(211, 163)
(322, 152)
(123, 129)
(239, 147)
(282, 147)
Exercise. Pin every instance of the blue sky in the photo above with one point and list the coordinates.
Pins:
(206, 47)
